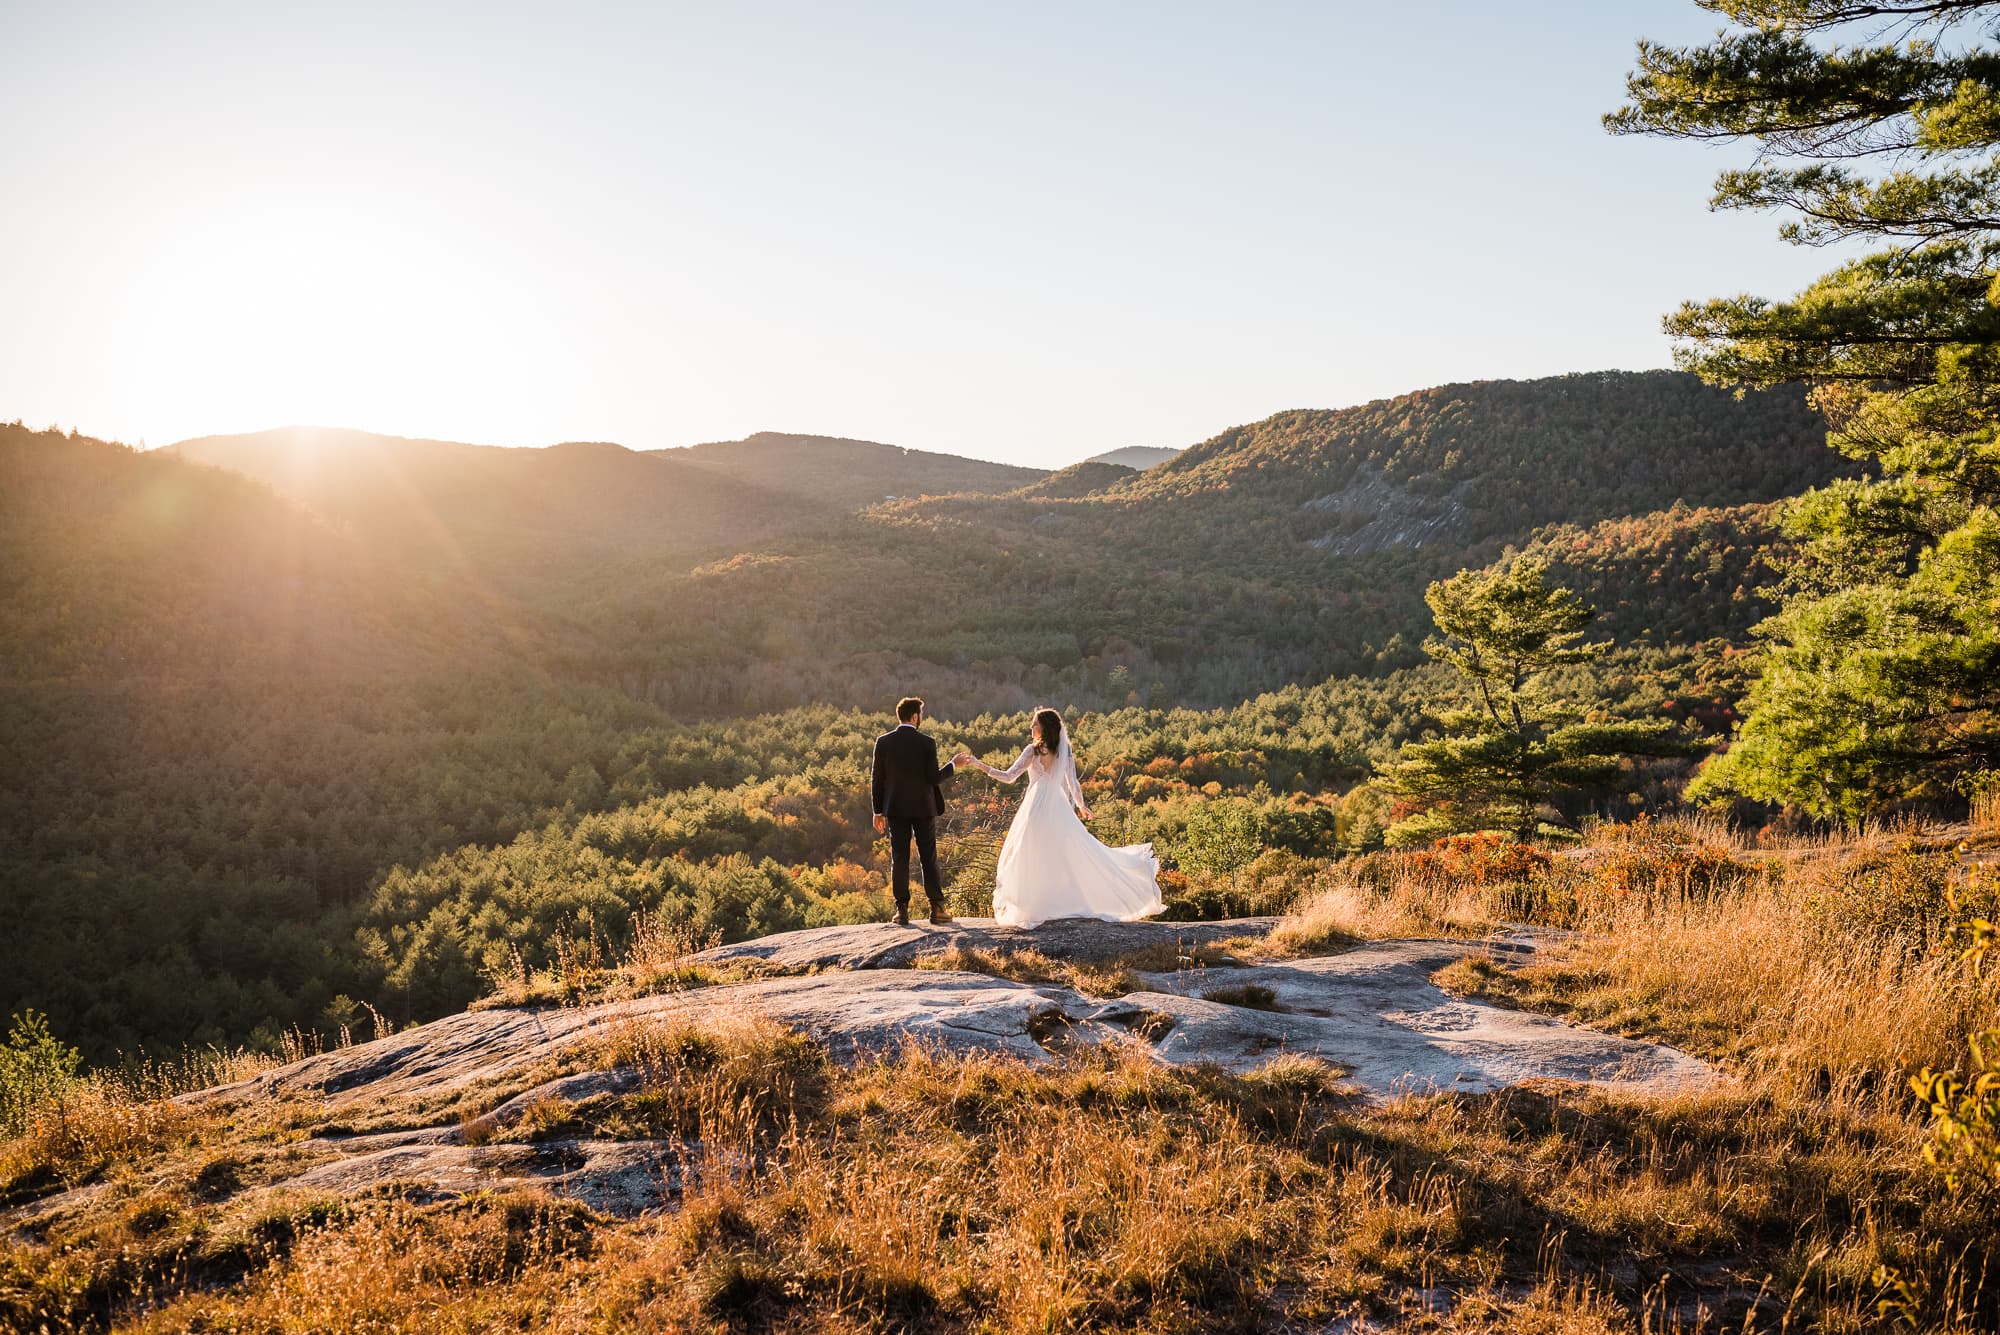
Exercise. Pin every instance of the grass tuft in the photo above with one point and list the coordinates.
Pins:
(1250, 996)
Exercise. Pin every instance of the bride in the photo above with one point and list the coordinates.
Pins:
(1050, 865)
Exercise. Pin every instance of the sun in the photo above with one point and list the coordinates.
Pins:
(314, 313)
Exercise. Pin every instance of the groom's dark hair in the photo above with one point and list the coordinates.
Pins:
(908, 708)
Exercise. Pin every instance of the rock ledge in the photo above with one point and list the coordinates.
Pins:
(1372, 1011)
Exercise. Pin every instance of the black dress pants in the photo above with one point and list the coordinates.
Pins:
(901, 832)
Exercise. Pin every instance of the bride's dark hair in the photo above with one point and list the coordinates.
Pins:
(1048, 726)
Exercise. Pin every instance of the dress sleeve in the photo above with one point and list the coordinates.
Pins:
(1013, 771)
(1070, 783)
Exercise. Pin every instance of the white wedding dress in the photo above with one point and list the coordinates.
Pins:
(1052, 867)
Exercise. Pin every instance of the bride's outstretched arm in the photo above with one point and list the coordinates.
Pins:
(1012, 772)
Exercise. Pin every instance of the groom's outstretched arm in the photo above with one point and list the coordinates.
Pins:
(944, 771)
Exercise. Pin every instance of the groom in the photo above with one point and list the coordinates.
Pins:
(908, 801)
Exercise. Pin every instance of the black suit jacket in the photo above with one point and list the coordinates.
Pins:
(908, 778)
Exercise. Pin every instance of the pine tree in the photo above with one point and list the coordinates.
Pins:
(1503, 763)
(1873, 123)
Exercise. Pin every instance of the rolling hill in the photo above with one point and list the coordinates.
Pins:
(1084, 479)
(119, 564)
(770, 572)
(847, 474)
(231, 706)
(1135, 456)
(1289, 549)
(1511, 454)
(533, 523)
(522, 520)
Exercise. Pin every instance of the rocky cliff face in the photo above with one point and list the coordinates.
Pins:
(1373, 514)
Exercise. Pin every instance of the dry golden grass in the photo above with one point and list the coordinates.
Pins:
(500, 1262)
(656, 959)
(1336, 916)
(74, 1139)
(1343, 910)
(113, 1117)
(1108, 1191)
(1836, 964)
(1252, 996)
(1105, 1192)
(733, 1080)
(1985, 816)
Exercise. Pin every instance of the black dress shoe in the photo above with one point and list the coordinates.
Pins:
(938, 915)
(902, 915)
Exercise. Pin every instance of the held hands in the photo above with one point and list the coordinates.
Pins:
(962, 758)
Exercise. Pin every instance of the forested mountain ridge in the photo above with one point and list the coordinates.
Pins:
(733, 577)
(847, 474)
(121, 564)
(1675, 576)
(520, 520)
(1291, 549)
(1518, 453)
(224, 732)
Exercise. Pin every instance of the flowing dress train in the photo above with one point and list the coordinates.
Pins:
(1051, 866)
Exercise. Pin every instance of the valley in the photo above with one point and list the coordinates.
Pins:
(309, 720)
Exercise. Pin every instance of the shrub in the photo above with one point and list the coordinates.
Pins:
(1903, 897)
(1483, 859)
(1640, 863)
(36, 1070)
(1964, 1143)
(1965, 1111)
(1220, 840)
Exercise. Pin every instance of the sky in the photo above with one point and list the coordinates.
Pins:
(1028, 232)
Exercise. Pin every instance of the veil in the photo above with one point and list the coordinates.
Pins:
(1066, 770)
(1051, 864)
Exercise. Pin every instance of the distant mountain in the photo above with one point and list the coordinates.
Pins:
(532, 521)
(1285, 550)
(130, 565)
(848, 473)
(1084, 479)
(1135, 456)
(232, 703)
(1507, 455)
(754, 574)
(520, 519)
